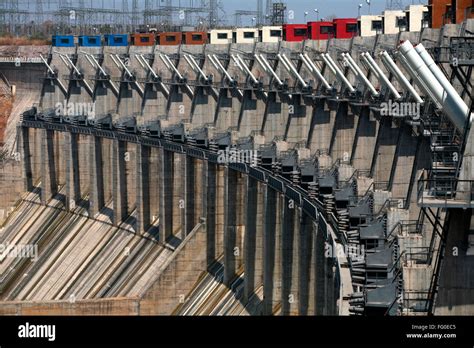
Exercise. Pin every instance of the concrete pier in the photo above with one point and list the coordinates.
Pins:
(166, 195)
(119, 182)
(96, 201)
(49, 184)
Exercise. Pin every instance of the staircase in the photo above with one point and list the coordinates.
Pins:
(446, 147)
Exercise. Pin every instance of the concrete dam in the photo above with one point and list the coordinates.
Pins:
(242, 179)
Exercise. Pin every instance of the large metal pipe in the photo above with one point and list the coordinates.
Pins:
(266, 66)
(359, 73)
(54, 74)
(115, 61)
(364, 61)
(211, 59)
(170, 65)
(295, 72)
(162, 56)
(314, 70)
(448, 87)
(417, 66)
(90, 61)
(98, 65)
(123, 66)
(216, 62)
(393, 68)
(69, 64)
(140, 61)
(148, 66)
(289, 66)
(283, 62)
(73, 66)
(64, 61)
(95, 64)
(418, 81)
(351, 66)
(237, 62)
(384, 79)
(241, 64)
(172, 68)
(261, 63)
(221, 67)
(78, 72)
(47, 65)
(451, 102)
(144, 63)
(195, 66)
(129, 74)
(330, 62)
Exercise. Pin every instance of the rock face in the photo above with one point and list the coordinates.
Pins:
(6, 103)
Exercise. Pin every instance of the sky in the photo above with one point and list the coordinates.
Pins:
(338, 8)
(326, 8)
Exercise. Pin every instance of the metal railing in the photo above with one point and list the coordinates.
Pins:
(447, 190)
(416, 301)
(358, 173)
(410, 227)
(418, 256)
(389, 204)
(404, 227)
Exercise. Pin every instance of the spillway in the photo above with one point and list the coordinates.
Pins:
(313, 178)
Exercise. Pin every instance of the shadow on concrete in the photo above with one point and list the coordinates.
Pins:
(83, 212)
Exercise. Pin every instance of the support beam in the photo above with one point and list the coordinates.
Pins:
(250, 238)
(306, 265)
(96, 200)
(271, 252)
(330, 287)
(73, 187)
(119, 196)
(26, 158)
(289, 261)
(143, 188)
(189, 193)
(154, 183)
(209, 208)
(314, 230)
(166, 195)
(179, 195)
(49, 185)
(320, 271)
(230, 224)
